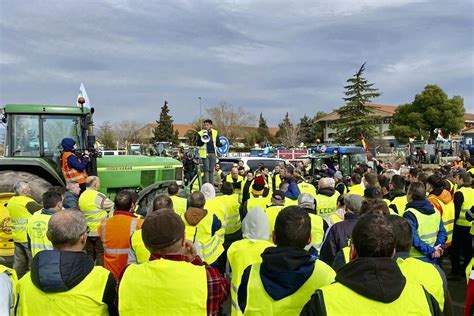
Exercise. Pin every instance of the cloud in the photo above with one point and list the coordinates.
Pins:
(270, 56)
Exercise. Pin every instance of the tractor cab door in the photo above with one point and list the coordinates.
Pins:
(55, 128)
(40, 136)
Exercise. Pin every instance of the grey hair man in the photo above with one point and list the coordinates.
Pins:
(20, 207)
(59, 275)
(71, 196)
(318, 226)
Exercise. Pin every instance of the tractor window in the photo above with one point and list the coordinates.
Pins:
(344, 167)
(55, 128)
(26, 135)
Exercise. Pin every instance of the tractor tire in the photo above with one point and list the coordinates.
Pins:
(146, 203)
(38, 185)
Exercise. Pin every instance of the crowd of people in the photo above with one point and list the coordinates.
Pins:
(272, 243)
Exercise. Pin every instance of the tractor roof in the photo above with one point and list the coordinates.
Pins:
(42, 108)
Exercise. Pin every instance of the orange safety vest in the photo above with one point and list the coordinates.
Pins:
(71, 173)
(115, 233)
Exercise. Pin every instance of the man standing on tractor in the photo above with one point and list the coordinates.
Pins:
(208, 141)
(72, 166)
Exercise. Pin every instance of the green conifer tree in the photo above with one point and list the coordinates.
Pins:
(263, 134)
(164, 132)
(357, 117)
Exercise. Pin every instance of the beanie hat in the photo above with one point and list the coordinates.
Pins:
(258, 185)
(162, 229)
(68, 144)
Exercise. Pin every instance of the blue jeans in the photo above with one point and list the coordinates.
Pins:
(209, 164)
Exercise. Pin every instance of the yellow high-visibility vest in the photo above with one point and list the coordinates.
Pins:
(272, 213)
(260, 201)
(326, 205)
(470, 271)
(179, 204)
(307, 188)
(468, 194)
(36, 228)
(317, 231)
(83, 299)
(400, 202)
(19, 217)
(275, 184)
(241, 254)
(203, 148)
(417, 271)
(232, 214)
(346, 251)
(140, 252)
(428, 228)
(356, 189)
(290, 202)
(448, 218)
(391, 211)
(341, 300)
(180, 286)
(209, 246)
(217, 208)
(240, 180)
(260, 303)
(92, 213)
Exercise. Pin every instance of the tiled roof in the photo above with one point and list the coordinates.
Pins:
(469, 117)
(381, 110)
(378, 109)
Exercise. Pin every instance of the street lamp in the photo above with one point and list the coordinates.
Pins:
(200, 112)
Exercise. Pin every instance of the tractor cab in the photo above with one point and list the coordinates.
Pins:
(34, 134)
(326, 160)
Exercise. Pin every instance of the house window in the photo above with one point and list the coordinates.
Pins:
(387, 120)
(331, 135)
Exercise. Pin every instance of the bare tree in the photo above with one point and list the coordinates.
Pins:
(127, 131)
(230, 121)
(106, 136)
(288, 134)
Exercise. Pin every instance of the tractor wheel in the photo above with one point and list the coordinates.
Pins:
(146, 202)
(38, 185)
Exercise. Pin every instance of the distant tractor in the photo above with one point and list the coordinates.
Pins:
(345, 157)
(33, 151)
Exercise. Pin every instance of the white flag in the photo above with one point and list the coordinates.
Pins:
(83, 93)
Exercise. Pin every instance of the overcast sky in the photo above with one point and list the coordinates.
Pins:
(266, 56)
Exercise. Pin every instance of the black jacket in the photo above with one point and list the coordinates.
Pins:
(55, 271)
(378, 279)
(337, 238)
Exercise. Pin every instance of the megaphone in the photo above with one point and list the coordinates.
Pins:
(205, 138)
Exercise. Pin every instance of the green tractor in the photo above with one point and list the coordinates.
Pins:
(33, 150)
